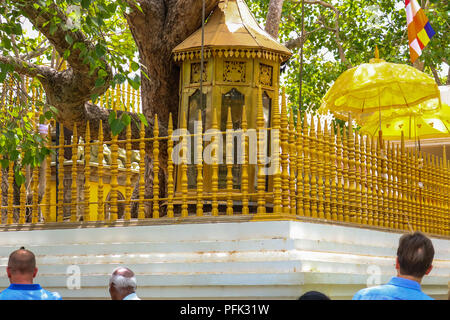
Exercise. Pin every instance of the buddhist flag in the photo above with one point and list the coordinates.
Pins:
(419, 29)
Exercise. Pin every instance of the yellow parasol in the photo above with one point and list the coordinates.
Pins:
(377, 86)
(415, 125)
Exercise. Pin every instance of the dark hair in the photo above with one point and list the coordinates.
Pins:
(22, 261)
(313, 295)
(415, 254)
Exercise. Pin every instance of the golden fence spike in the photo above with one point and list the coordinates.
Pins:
(320, 145)
(10, 215)
(156, 168)
(199, 161)
(415, 190)
(364, 179)
(60, 198)
(184, 179)
(358, 196)
(384, 184)
(433, 192)
(114, 183)
(261, 179)
(229, 163)
(340, 177)
(426, 195)
(128, 192)
(380, 190)
(370, 183)
(244, 184)
(74, 186)
(397, 189)
(215, 167)
(129, 106)
(326, 157)
(277, 198)
(87, 173)
(35, 170)
(23, 198)
(48, 174)
(313, 166)
(299, 146)
(141, 210)
(346, 174)
(131, 98)
(292, 165)
(138, 102)
(170, 185)
(390, 188)
(306, 168)
(334, 176)
(404, 208)
(284, 136)
(350, 142)
(100, 195)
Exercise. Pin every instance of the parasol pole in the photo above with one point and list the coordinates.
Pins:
(202, 57)
(300, 98)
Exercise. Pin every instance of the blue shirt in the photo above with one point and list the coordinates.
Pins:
(131, 296)
(396, 289)
(28, 292)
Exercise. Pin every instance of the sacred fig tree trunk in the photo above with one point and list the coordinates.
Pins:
(157, 29)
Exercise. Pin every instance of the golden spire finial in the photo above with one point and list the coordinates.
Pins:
(377, 56)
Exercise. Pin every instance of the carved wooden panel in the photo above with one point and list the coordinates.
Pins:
(265, 74)
(234, 71)
(195, 72)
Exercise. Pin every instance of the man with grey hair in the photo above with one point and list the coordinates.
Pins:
(122, 284)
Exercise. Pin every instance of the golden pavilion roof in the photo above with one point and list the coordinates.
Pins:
(232, 30)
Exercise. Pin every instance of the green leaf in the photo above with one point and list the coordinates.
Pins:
(102, 73)
(48, 115)
(111, 117)
(94, 97)
(143, 119)
(135, 83)
(66, 54)
(99, 82)
(19, 177)
(134, 66)
(100, 50)
(69, 39)
(5, 163)
(126, 119)
(53, 28)
(117, 126)
(85, 3)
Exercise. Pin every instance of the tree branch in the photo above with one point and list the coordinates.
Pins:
(297, 42)
(44, 73)
(39, 18)
(436, 75)
(336, 31)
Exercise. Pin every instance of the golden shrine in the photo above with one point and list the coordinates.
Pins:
(239, 59)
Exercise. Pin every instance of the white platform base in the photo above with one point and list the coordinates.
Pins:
(239, 260)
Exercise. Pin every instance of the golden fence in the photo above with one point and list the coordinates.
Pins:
(316, 173)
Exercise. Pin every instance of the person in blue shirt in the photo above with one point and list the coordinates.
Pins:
(21, 271)
(415, 255)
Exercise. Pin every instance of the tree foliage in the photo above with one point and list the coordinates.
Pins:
(356, 27)
(100, 40)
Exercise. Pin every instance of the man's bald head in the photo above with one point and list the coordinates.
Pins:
(22, 261)
(124, 272)
(122, 283)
